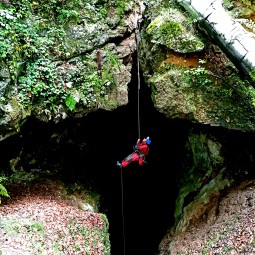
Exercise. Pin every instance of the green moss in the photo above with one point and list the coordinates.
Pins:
(252, 74)
(204, 160)
(198, 77)
(190, 187)
(3, 190)
(170, 28)
(167, 29)
(121, 7)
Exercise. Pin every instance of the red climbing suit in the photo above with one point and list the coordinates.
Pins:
(141, 150)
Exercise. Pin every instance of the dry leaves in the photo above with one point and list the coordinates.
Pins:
(38, 221)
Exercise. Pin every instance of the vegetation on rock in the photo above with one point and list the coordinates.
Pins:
(170, 29)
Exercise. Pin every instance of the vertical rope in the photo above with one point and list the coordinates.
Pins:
(123, 219)
(138, 80)
(139, 135)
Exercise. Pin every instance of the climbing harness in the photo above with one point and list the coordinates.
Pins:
(130, 157)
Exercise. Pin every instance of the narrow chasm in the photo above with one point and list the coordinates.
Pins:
(86, 150)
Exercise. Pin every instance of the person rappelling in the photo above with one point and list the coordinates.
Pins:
(141, 150)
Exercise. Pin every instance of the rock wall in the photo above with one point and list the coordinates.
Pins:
(63, 59)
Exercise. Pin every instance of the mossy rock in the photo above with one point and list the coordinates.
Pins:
(170, 28)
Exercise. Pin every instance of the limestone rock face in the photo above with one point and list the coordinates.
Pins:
(176, 99)
(12, 116)
(65, 60)
(192, 78)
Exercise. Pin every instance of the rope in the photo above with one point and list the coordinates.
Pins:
(139, 135)
(138, 82)
(123, 220)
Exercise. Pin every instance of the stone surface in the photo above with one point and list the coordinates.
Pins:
(228, 227)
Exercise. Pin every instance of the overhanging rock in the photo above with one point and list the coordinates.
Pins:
(229, 34)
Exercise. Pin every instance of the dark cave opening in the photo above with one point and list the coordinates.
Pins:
(86, 150)
(148, 191)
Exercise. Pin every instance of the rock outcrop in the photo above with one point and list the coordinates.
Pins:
(61, 60)
(192, 79)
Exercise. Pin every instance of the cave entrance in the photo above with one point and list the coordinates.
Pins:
(150, 191)
(86, 150)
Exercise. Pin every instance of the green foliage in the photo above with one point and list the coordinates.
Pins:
(70, 11)
(249, 4)
(40, 82)
(198, 77)
(3, 191)
(68, 15)
(231, 89)
(55, 10)
(23, 37)
(43, 82)
(70, 102)
(24, 177)
(31, 33)
(121, 7)
(245, 92)
(252, 75)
